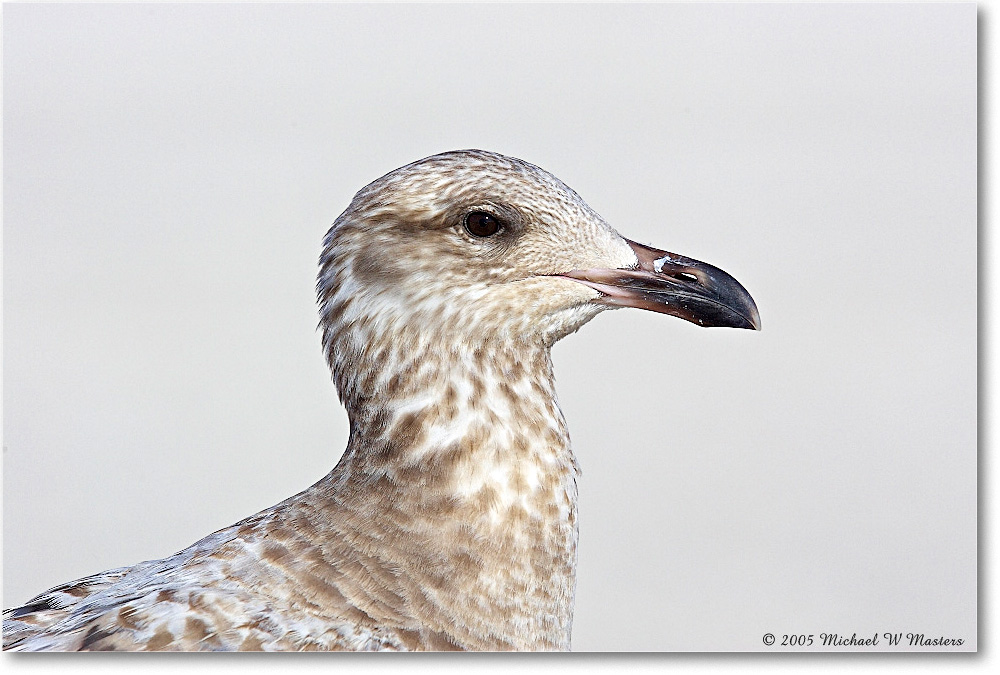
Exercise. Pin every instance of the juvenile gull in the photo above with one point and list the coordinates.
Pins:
(450, 520)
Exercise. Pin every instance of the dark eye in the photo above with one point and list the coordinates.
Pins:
(481, 224)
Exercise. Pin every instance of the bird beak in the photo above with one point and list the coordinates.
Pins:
(672, 284)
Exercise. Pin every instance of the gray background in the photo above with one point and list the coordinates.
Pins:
(169, 173)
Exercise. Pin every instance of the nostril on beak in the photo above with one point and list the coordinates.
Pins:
(685, 276)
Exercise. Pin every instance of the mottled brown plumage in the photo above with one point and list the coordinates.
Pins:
(450, 520)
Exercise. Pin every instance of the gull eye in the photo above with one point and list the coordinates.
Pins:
(482, 224)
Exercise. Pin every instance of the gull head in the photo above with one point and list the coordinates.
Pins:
(473, 247)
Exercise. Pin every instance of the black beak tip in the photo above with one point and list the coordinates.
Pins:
(724, 317)
(726, 302)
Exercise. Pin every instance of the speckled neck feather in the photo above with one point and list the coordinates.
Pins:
(470, 491)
